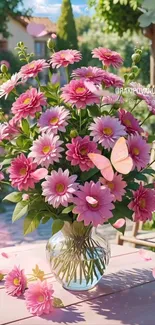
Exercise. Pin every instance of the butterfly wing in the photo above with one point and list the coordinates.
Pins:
(120, 158)
(103, 164)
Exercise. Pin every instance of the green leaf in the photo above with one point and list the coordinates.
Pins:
(133, 186)
(68, 209)
(57, 226)
(31, 222)
(13, 197)
(6, 162)
(149, 171)
(94, 111)
(141, 177)
(151, 138)
(57, 303)
(87, 175)
(25, 127)
(20, 210)
(64, 217)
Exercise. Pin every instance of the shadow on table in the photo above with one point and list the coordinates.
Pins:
(66, 315)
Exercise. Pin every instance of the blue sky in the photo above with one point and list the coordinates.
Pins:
(51, 8)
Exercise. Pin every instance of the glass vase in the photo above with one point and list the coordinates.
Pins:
(78, 256)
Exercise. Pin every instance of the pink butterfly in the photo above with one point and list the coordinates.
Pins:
(120, 160)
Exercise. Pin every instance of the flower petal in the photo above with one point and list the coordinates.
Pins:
(40, 173)
(5, 255)
(119, 223)
(145, 255)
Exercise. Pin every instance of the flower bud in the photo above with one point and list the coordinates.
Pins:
(136, 57)
(131, 76)
(25, 197)
(73, 133)
(139, 51)
(50, 44)
(134, 69)
(4, 68)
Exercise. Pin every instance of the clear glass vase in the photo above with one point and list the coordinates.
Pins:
(78, 256)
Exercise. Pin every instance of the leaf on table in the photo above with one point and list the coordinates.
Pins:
(39, 274)
(145, 255)
(57, 303)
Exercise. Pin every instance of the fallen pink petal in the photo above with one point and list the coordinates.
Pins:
(145, 255)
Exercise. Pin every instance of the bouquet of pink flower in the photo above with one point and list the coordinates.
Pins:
(60, 141)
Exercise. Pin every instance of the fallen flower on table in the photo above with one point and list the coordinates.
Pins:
(16, 282)
(145, 255)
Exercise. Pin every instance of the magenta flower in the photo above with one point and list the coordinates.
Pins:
(116, 186)
(78, 152)
(76, 93)
(54, 120)
(130, 122)
(93, 204)
(32, 69)
(143, 204)
(15, 282)
(112, 99)
(39, 298)
(139, 151)
(150, 101)
(112, 80)
(23, 173)
(46, 150)
(64, 58)
(28, 103)
(106, 130)
(59, 188)
(96, 75)
(108, 57)
(8, 86)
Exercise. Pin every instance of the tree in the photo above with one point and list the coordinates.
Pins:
(10, 8)
(83, 24)
(66, 29)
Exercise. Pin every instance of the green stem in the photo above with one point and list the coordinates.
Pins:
(146, 118)
(136, 104)
(67, 74)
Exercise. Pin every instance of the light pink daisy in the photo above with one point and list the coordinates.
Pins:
(108, 57)
(130, 122)
(39, 298)
(12, 129)
(28, 103)
(8, 86)
(106, 130)
(64, 58)
(150, 101)
(116, 186)
(96, 75)
(15, 282)
(59, 188)
(46, 150)
(3, 131)
(112, 99)
(23, 173)
(112, 80)
(76, 93)
(78, 152)
(32, 69)
(141, 92)
(93, 204)
(143, 204)
(139, 151)
(54, 120)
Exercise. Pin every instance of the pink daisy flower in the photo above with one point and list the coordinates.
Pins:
(130, 122)
(28, 104)
(93, 204)
(3, 131)
(59, 188)
(96, 75)
(78, 152)
(15, 282)
(141, 92)
(23, 173)
(112, 99)
(143, 204)
(76, 93)
(39, 298)
(139, 151)
(112, 80)
(116, 186)
(54, 120)
(64, 58)
(46, 150)
(8, 86)
(150, 101)
(108, 57)
(32, 69)
(106, 130)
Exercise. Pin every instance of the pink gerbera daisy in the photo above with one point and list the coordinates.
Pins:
(106, 130)
(9, 85)
(15, 282)
(143, 204)
(108, 57)
(130, 122)
(23, 173)
(112, 80)
(96, 75)
(76, 93)
(112, 99)
(39, 298)
(78, 152)
(28, 103)
(142, 92)
(139, 151)
(116, 186)
(59, 188)
(64, 58)
(46, 150)
(54, 120)
(93, 204)
(32, 69)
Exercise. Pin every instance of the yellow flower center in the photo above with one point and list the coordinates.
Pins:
(54, 120)
(80, 90)
(142, 203)
(23, 171)
(111, 185)
(83, 151)
(107, 131)
(27, 101)
(89, 74)
(41, 298)
(136, 151)
(60, 188)
(108, 54)
(62, 55)
(46, 149)
(16, 281)
(127, 122)
(31, 65)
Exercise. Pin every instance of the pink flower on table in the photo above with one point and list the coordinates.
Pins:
(77, 94)
(112, 99)
(94, 74)
(139, 151)
(59, 188)
(143, 204)
(116, 186)
(106, 131)
(15, 282)
(32, 69)
(64, 58)
(108, 57)
(28, 104)
(130, 122)
(112, 80)
(23, 173)
(39, 298)
(93, 204)
(46, 150)
(8, 86)
(78, 152)
(54, 120)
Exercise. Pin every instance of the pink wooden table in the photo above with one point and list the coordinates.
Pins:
(125, 295)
